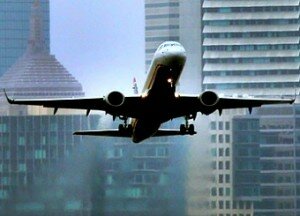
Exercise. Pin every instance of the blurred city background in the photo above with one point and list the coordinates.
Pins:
(237, 165)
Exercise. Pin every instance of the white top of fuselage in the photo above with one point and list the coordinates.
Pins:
(168, 53)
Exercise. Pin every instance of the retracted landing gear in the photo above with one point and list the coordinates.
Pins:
(187, 128)
(125, 128)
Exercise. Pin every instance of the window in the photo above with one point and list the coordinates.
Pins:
(213, 138)
(227, 204)
(221, 178)
(213, 205)
(227, 178)
(227, 138)
(220, 125)
(227, 152)
(227, 165)
(214, 165)
(227, 191)
(162, 152)
(214, 191)
(227, 125)
(214, 152)
(234, 205)
(213, 125)
(221, 165)
(221, 139)
(22, 167)
(221, 204)
(221, 192)
(221, 152)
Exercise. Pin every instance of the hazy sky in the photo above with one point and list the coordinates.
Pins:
(100, 42)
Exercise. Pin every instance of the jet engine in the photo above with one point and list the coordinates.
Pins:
(115, 99)
(209, 98)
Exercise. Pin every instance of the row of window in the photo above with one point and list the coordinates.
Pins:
(251, 73)
(260, 60)
(161, 16)
(213, 125)
(250, 22)
(220, 191)
(160, 39)
(252, 34)
(152, 152)
(221, 165)
(251, 85)
(213, 138)
(221, 152)
(162, 27)
(252, 9)
(248, 165)
(252, 47)
(160, 5)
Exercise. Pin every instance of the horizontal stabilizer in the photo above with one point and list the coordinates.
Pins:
(108, 133)
(169, 132)
(117, 133)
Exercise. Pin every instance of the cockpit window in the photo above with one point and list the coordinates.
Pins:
(167, 45)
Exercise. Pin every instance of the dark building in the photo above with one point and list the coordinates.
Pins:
(44, 169)
(267, 160)
(14, 29)
(146, 179)
(37, 73)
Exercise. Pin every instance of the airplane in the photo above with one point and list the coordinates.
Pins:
(158, 103)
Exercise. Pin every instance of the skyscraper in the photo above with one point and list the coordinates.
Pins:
(266, 160)
(235, 47)
(14, 29)
(251, 47)
(37, 73)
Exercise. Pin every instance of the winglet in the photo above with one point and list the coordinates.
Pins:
(7, 98)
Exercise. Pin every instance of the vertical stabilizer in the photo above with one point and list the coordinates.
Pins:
(135, 87)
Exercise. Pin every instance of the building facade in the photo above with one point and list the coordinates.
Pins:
(235, 48)
(251, 47)
(146, 179)
(266, 158)
(44, 169)
(14, 30)
(36, 73)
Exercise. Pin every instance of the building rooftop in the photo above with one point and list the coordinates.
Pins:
(38, 74)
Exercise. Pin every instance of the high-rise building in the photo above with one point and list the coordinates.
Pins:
(251, 47)
(266, 160)
(234, 47)
(37, 73)
(179, 21)
(45, 170)
(146, 179)
(14, 29)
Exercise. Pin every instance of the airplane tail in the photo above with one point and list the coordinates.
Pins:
(135, 87)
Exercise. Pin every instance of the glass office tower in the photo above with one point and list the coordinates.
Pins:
(234, 47)
(14, 29)
(251, 47)
(266, 160)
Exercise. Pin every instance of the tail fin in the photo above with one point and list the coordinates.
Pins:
(135, 87)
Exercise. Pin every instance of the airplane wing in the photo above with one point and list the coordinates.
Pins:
(192, 104)
(129, 108)
(117, 133)
(230, 102)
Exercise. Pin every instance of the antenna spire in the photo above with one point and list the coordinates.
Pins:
(36, 41)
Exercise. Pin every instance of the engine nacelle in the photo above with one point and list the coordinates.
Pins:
(115, 99)
(209, 98)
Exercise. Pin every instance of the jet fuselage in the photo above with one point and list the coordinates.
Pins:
(159, 90)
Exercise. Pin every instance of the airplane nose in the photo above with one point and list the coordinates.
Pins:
(178, 52)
